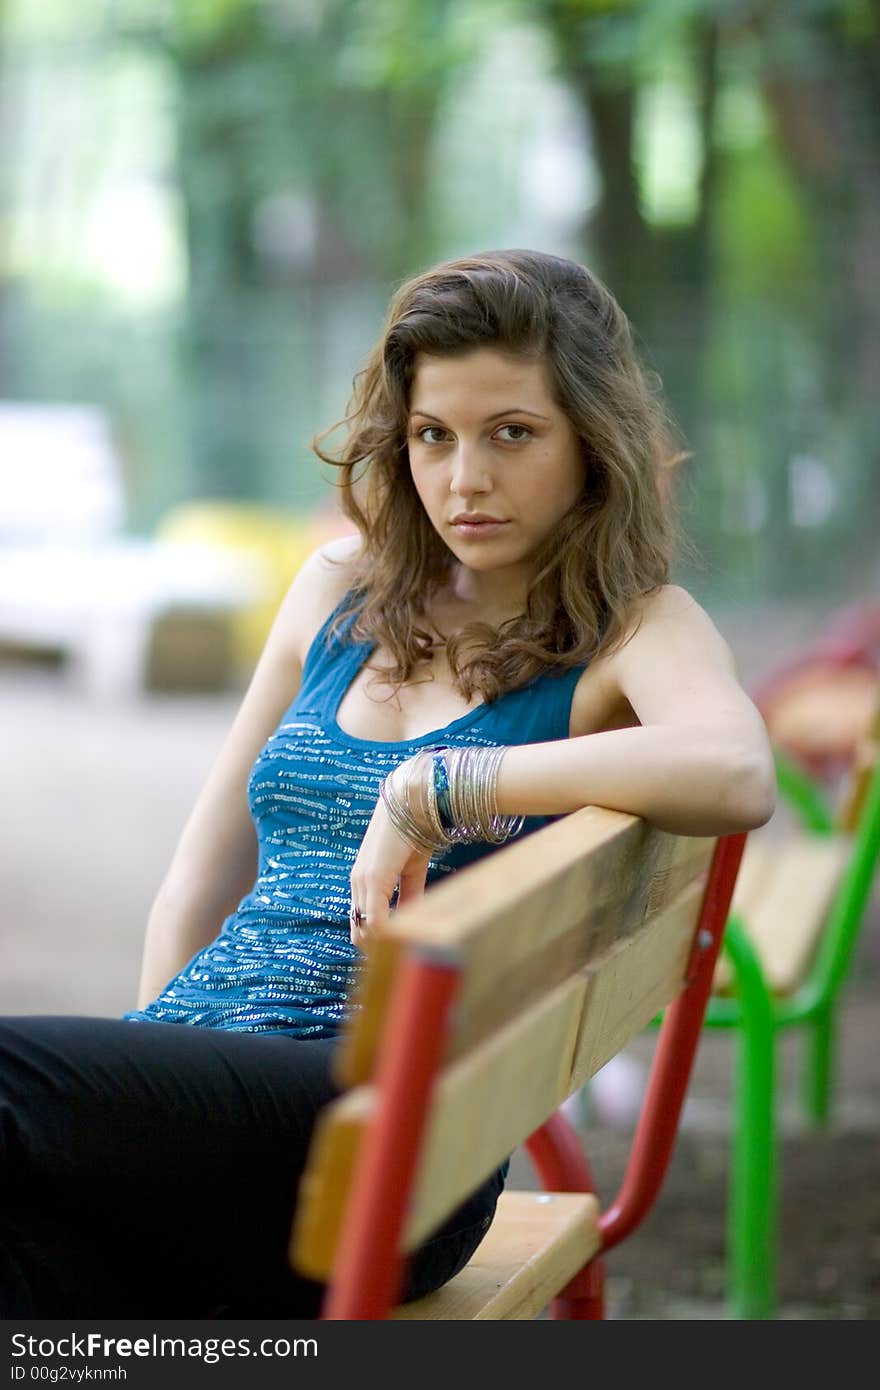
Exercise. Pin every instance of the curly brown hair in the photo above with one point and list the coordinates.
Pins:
(615, 544)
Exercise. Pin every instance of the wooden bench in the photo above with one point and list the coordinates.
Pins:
(481, 1010)
(783, 895)
(798, 906)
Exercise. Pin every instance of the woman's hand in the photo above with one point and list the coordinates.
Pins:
(384, 859)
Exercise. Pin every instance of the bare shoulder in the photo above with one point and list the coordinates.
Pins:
(676, 667)
(672, 663)
(318, 586)
(671, 615)
(669, 600)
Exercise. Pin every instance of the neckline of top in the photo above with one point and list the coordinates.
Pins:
(349, 670)
(358, 652)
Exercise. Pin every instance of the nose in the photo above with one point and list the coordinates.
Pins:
(470, 473)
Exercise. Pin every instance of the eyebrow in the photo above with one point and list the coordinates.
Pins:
(511, 410)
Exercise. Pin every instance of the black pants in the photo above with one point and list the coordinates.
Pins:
(150, 1170)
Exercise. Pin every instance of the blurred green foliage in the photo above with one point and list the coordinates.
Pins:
(205, 204)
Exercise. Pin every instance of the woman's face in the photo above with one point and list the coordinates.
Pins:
(485, 436)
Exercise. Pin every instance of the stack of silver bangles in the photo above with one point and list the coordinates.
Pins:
(448, 798)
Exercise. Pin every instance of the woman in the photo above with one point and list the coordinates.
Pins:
(498, 644)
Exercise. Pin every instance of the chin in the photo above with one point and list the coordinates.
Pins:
(487, 564)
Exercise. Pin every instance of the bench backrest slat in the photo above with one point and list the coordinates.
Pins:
(555, 901)
(601, 911)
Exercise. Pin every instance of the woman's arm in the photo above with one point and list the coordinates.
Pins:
(215, 862)
(701, 762)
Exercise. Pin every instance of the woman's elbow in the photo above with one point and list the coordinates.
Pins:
(753, 790)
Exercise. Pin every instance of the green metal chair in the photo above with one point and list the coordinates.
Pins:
(759, 1014)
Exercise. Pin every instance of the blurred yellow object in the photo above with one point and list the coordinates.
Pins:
(279, 540)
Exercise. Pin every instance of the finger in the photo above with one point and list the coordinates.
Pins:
(376, 911)
(412, 882)
(361, 932)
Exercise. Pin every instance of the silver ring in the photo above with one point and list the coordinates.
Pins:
(356, 917)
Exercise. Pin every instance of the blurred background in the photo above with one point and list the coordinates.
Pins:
(206, 203)
(204, 207)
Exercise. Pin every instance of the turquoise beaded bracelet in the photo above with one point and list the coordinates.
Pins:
(441, 787)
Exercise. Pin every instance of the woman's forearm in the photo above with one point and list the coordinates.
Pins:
(178, 926)
(690, 781)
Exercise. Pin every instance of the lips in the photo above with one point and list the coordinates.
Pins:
(478, 530)
(475, 519)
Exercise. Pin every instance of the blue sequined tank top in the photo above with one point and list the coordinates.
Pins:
(283, 961)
